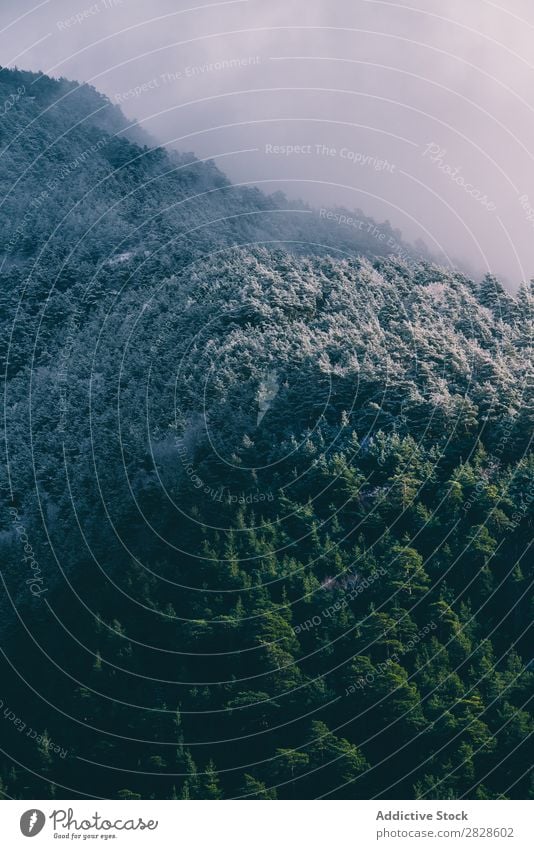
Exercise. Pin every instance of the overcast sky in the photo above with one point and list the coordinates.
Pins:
(417, 111)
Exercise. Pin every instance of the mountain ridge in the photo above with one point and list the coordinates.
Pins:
(267, 511)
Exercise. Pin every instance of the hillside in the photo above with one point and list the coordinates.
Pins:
(268, 508)
(108, 190)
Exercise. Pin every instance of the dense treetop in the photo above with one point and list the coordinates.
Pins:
(268, 504)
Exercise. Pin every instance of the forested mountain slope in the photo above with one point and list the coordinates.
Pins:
(268, 512)
(80, 186)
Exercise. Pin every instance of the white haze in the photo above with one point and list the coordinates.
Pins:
(381, 80)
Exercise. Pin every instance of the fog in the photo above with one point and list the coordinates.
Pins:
(417, 112)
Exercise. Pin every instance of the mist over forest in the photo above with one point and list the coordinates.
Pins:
(266, 517)
(441, 95)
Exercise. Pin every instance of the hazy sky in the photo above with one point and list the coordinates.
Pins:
(421, 112)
